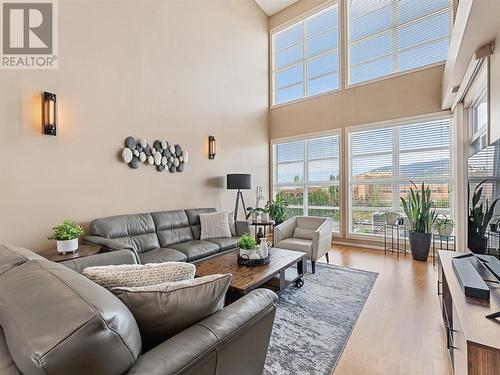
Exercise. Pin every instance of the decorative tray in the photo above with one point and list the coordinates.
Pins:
(244, 260)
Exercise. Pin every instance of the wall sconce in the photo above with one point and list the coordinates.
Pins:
(49, 113)
(211, 147)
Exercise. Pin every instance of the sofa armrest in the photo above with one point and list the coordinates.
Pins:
(104, 259)
(322, 240)
(234, 340)
(241, 227)
(109, 244)
(284, 230)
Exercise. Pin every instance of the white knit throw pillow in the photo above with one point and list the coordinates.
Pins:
(137, 275)
(215, 225)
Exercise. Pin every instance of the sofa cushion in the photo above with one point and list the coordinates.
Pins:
(137, 230)
(56, 321)
(193, 215)
(163, 310)
(297, 244)
(226, 243)
(172, 227)
(162, 255)
(197, 249)
(7, 365)
(214, 225)
(132, 275)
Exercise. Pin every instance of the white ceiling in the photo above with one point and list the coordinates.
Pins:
(271, 7)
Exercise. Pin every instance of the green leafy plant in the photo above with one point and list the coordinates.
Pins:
(480, 213)
(68, 230)
(443, 221)
(247, 242)
(257, 210)
(278, 209)
(418, 209)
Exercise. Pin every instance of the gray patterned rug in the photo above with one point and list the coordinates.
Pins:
(313, 324)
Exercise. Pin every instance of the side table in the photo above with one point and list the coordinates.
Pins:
(82, 252)
(394, 237)
(441, 242)
(260, 229)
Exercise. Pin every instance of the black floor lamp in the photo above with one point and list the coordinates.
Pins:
(238, 181)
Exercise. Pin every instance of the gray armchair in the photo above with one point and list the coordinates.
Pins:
(309, 234)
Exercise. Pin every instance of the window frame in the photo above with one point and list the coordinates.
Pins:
(306, 183)
(323, 8)
(393, 54)
(395, 180)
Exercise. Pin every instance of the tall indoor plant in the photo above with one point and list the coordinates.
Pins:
(421, 218)
(480, 214)
(278, 209)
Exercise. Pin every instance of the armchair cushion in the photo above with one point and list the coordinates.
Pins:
(305, 234)
(297, 244)
(163, 310)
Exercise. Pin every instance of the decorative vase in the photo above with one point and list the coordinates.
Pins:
(68, 246)
(445, 229)
(477, 244)
(420, 244)
(265, 216)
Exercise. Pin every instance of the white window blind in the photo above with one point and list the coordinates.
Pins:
(306, 174)
(305, 57)
(392, 36)
(383, 161)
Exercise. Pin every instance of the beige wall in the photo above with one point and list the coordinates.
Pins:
(413, 94)
(179, 70)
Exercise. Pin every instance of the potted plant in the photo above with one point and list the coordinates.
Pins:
(494, 225)
(421, 218)
(480, 215)
(278, 209)
(390, 217)
(255, 213)
(66, 235)
(248, 246)
(444, 225)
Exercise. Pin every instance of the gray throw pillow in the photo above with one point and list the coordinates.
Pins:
(215, 225)
(163, 310)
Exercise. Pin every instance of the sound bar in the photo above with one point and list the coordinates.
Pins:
(471, 282)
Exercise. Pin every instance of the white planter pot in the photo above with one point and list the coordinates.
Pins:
(69, 246)
(265, 216)
(445, 230)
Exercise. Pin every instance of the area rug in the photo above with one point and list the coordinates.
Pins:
(313, 323)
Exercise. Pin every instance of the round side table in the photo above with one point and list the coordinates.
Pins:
(82, 252)
(260, 229)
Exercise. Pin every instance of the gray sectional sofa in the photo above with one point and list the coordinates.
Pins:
(55, 321)
(161, 236)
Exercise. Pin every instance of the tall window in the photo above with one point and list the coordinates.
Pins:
(306, 173)
(392, 36)
(383, 161)
(476, 108)
(306, 58)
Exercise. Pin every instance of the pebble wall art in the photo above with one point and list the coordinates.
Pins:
(161, 154)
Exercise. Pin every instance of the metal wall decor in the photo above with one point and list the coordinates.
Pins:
(161, 154)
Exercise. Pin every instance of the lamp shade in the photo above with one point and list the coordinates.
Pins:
(239, 181)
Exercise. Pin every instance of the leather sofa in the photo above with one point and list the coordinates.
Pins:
(164, 236)
(55, 321)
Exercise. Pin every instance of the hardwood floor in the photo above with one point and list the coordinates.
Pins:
(400, 329)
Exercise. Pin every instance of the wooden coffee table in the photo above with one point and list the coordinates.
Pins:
(279, 273)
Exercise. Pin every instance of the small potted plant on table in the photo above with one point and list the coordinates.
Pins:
(278, 209)
(66, 236)
(444, 226)
(248, 246)
(421, 218)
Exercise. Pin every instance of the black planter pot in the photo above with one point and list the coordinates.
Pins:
(420, 244)
(477, 244)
